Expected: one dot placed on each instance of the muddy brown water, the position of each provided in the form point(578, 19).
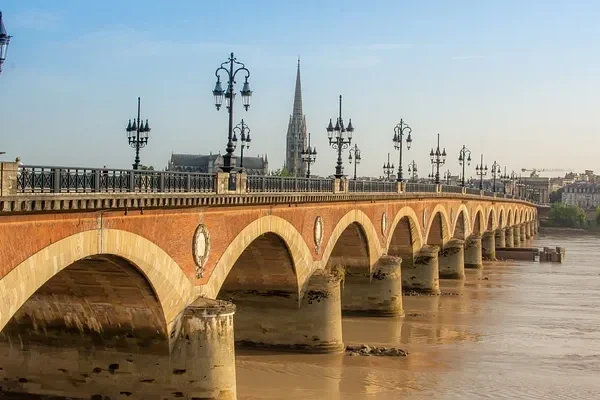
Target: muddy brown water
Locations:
point(516, 330)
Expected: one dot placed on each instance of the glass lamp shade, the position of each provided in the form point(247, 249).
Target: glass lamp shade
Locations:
point(246, 94)
point(218, 94)
point(408, 141)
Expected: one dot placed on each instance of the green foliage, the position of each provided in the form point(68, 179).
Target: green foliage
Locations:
point(556, 196)
point(147, 168)
point(597, 215)
point(281, 172)
point(566, 216)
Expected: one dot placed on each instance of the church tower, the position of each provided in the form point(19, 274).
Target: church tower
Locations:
point(296, 134)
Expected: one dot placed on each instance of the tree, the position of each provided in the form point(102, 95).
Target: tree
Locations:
point(566, 216)
point(556, 196)
point(147, 168)
point(281, 172)
point(598, 216)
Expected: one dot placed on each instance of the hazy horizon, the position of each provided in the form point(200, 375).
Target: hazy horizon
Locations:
point(513, 80)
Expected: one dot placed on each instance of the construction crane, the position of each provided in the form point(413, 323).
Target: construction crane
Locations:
point(535, 172)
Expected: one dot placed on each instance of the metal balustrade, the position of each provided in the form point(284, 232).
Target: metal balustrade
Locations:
point(272, 184)
point(372, 186)
point(32, 179)
point(39, 179)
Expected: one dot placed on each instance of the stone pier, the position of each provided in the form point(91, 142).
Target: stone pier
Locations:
point(522, 233)
point(276, 319)
point(500, 238)
point(452, 260)
point(473, 257)
point(488, 246)
point(510, 237)
point(528, 234)
point(378, 294)
point(517, 235)
point(423, 275)
point(80, 364)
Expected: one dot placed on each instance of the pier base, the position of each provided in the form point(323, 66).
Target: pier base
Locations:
point(452, 260)
point(379, 294)
point(473, 258)
point(488, 246)
point(500, 238)
point(517, 236)
point(423, 274)
point(510, 238)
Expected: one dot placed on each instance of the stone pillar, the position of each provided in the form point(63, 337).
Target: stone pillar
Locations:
point(528, 230)
point(522, 233)
point(8, 178)
point(379, 294)
point(473, 257)
point(488, 246)
point(517, 235)
point(221, 182)
point(276, 319)
point(500, 238)
point(452, 260)
point(423, 274)
point(241, 183)
point(205, 351)
point(510, 239)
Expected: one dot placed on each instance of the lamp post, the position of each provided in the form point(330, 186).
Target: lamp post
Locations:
point(309, 156)
point(231, 67)
point(481, 171)
point(437, 158)
point(513, 178)
point(245, 140)
point(412, 169)
point(340, 137)
point(356, 151)
point(504, 179)
point(388, 168)
point(447, 176)
point(432, 174)
point(399, 131)
point(137, 135)
point(464, 157)
point(496, 170)
point(4, 42)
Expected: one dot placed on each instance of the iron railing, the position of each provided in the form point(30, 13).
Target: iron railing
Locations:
point(452, 189)
point(372, 186)
point(270, 184)
point(421, 187)
point(473, 191)
point(39, 179)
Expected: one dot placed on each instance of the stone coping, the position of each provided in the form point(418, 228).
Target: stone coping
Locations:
point(53, 202)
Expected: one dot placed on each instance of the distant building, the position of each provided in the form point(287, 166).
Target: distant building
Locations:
point(296, 134)
point(584, 195)
point(213, 162)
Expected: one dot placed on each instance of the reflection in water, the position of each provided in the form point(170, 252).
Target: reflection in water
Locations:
point(520, 330)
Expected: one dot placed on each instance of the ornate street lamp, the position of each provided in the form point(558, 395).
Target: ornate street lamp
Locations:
point(464, 157)
point(245, 140)
point(356, 151)
point(513, 178)
point(412, 170)
point(309, 156)
point(399, 131)
point(504, 179)
point(481, 171)
point(340, 137)
point(437, 158)
point(388, 168)
point(4, 42)
point(496, 171)
point(137, 135)
point(447, 176)
point(231, 71)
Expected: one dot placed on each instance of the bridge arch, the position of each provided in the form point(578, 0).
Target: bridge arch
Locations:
point(510, 220)
point(461, 223)
point(491, 220)
point(478, 221)
point(501, 218)
point(171, 286)
point(438, 227)
point(405, 237)
point(271, 228)
point(354, 224)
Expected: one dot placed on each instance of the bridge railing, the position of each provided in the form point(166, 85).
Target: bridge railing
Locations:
point(40, 179)
point(421, 187)
point(473, 191)
point(452, 189)
point(270, 184)
point(372, 186)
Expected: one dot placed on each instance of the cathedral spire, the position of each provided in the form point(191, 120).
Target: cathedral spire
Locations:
point(298, 94)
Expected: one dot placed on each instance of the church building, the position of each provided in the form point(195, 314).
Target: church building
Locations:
point(296, 134)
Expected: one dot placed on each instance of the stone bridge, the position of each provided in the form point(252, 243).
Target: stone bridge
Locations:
point(134, 294)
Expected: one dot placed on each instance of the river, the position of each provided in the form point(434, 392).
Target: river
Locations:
point(516, 330)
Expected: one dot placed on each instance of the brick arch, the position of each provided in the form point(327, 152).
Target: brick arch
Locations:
point(438, 220)
point(478, 219)
point(171, 286)
point(366, 226)
point(501, 217)
point(405, 237)
point(518, 215)
point(461, 223)
point(510, 219)
point(297, 247)
point(491, 219)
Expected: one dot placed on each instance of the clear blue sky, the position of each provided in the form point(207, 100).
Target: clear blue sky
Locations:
point(516, 80)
